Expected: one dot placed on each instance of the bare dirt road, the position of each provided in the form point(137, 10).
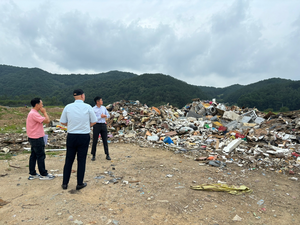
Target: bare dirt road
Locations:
point(144, 186)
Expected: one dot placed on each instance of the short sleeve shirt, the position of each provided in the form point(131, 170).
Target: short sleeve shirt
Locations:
point(79, 116)
point(34, 124)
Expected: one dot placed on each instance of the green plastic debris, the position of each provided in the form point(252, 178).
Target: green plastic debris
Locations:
point(234, 190)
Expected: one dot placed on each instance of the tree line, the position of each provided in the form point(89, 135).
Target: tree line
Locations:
point(19, 85)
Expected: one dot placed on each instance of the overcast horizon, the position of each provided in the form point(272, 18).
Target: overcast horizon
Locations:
point(206, 43)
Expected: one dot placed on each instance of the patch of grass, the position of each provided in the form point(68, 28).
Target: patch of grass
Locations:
point(55, 106)
point(47, 153)
point(7, 156)
point(55, 114)
point(24, 152)
point(11, 129)
point(18, 113)
point(4, 111)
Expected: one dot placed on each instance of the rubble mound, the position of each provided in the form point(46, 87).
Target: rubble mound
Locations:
point(205, 130)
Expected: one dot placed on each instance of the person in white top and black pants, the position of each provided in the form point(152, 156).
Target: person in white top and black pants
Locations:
point(79, 117)
point(100, 127)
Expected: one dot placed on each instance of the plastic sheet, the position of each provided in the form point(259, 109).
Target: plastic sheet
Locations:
point(234, 190)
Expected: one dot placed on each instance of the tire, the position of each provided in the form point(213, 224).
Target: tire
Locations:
point(213, 111)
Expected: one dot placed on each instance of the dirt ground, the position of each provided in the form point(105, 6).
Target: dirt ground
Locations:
point(134, 188)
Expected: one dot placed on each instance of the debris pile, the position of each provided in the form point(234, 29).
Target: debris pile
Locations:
point(204, 130)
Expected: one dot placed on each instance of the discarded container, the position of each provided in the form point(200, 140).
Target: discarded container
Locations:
point(206, 126)
point(222, 128)
point(238, 135)
point(152, 138)
point(168, 140)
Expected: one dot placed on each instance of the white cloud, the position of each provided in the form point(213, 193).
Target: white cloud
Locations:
point(213, 43)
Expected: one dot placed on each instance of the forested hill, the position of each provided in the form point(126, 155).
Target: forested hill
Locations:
point(272, 94)
point(19, 85)
point(16, 81)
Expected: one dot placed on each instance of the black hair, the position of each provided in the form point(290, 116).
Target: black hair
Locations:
point(35, 101)
point(97, 98)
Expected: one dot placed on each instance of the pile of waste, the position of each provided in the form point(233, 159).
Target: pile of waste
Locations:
point(207, 131)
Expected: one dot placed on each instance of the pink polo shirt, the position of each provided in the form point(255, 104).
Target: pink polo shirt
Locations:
point(34, 124)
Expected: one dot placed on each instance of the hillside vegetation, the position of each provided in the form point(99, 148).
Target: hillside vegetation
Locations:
point(19, 85)
point(274, 94)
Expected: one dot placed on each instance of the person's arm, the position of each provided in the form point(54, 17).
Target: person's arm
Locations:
point(46, 120)
point(105, 114)
point(63, 117)
point(93, 117)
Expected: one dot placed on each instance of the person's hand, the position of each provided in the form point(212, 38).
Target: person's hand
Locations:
point(103, 115)
point(43, 110)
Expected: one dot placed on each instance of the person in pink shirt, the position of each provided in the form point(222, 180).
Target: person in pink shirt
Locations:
point(35, 133)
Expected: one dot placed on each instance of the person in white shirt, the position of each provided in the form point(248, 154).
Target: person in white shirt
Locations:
point(100, 127)
point(79, 117)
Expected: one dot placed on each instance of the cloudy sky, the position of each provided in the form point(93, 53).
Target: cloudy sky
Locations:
point(202, 42)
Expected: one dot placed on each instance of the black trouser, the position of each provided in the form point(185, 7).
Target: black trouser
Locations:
point(76, 144)
point(37, 155)
point(99, 128)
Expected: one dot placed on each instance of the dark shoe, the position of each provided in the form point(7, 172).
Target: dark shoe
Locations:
point(64, 186)
point(94, 158)
point(80, 186)
point(107, 157)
